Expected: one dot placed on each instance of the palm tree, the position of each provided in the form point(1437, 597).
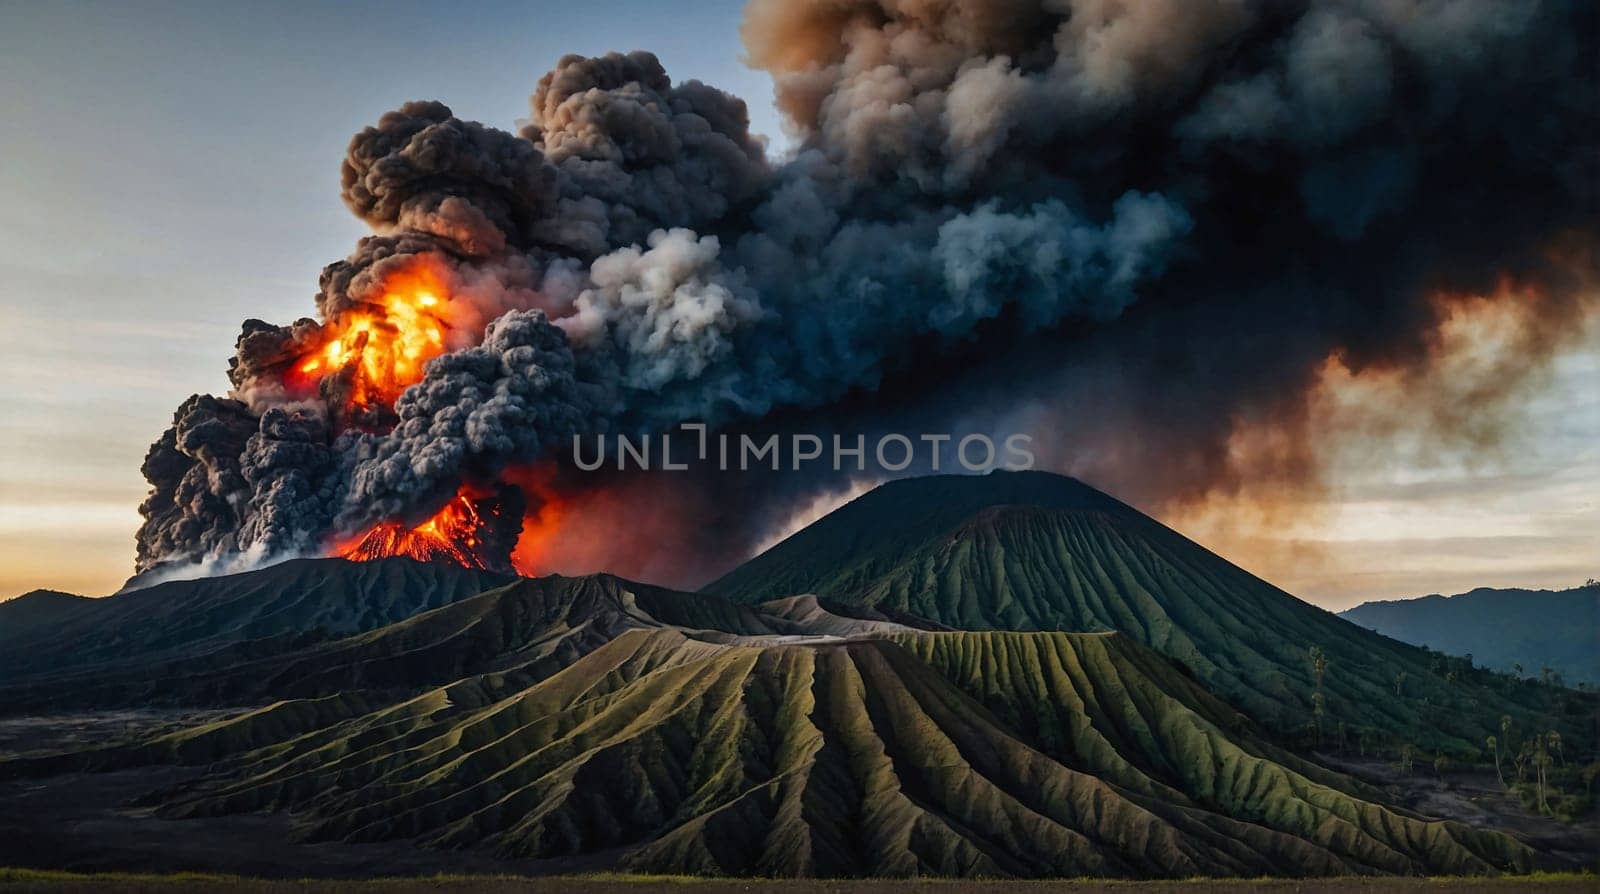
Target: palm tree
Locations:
point(1541, 763)
point(1494, 746)
point(1319, 664)
point(1399, 682)
point(1319, 668)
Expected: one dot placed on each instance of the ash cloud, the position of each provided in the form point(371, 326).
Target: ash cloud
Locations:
point(515, 397)
point(1170, 213)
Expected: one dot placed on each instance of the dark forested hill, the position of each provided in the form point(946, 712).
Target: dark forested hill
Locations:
point(1502, 629)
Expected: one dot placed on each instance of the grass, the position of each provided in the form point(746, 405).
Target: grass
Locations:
point(533, 727)
point(942, 754)
point(1030, 551)
point(598, 883)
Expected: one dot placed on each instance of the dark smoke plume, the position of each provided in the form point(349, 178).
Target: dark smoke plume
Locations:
point(1136, 225)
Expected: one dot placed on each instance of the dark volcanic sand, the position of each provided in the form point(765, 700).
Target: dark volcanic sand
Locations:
point(1475, 797)
point(83, 822)
point(94, 729)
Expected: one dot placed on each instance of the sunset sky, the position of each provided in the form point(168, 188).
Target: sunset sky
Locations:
point(172, 170)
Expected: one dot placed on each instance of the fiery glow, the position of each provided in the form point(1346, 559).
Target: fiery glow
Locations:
point(664, 529)
point(383, 344)
point(364, 358)
point(533, 555)
point(451, 535)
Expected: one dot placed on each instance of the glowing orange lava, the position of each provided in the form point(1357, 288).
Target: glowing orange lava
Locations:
point(369, 354)
point(532, 555)
point(451, 535)
point(384, 342)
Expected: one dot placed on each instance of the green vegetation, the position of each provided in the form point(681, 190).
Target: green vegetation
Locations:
point(1122, 703)
point(633, 883)
point(539, 625)
point(1553, 630)
point(959, 754)
point(1033, 551)
point(1544, 781)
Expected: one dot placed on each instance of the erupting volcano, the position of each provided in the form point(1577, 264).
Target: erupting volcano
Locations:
point(514, 554)
point(477, 528)
point(451, 535)
point(985, 221)
point(360, 363)
point(377, 349)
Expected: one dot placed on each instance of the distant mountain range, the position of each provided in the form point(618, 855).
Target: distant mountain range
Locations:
point(1500, 628)
point(1007, 675)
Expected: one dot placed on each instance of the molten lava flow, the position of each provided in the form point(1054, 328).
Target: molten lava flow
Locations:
point(361, 360)
point(478, 528)
point(383, 344)
point(451, 535)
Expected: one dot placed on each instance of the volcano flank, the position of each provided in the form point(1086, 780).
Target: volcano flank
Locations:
point(1001, 675)
point(1204, 253)
point(1035, 551)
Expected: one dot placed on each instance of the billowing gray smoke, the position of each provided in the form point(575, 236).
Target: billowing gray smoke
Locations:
point(1182, 207)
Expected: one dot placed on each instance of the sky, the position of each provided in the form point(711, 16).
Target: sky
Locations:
point(1405, 516)
point(167, 170)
